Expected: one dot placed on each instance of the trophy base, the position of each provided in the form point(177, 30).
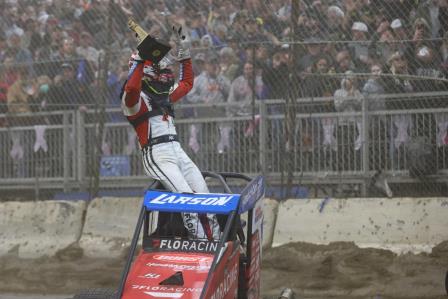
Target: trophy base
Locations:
point(151, 49)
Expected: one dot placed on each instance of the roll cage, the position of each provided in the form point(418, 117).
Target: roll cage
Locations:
point(170, 225)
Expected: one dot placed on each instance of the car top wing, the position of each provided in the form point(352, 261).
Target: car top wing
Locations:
point(214, 203)
point(253, 192)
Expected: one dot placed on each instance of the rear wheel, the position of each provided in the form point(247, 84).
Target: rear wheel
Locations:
point(446, 282)
point(96, 294)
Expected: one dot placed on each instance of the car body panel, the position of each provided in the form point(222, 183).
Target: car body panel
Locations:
point(193, 203)
point(224, 278)
point(172, 265)
point(151, 268)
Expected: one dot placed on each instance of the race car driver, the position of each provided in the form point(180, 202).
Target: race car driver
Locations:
point(147, 99)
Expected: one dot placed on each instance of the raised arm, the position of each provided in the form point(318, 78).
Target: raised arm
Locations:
point(186, 76)
point(186, 79)
point(131, 91)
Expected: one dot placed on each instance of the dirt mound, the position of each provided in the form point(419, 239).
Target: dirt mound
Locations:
point(345, 270)
point(313, 271)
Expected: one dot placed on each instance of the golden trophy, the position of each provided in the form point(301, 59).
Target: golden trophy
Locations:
point(148, 47)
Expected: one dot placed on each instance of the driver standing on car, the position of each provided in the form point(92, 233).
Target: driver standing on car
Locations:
point(147, 99)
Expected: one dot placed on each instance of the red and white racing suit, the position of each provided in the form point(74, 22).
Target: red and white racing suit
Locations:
point(163, 157)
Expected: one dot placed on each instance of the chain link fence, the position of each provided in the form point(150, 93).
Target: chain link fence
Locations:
point(326, 98)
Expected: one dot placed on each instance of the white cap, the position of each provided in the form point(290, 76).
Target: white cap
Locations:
point(360, 26)
point(15, 30)
point(423, 51)
point(396, 24)
point(335, 9)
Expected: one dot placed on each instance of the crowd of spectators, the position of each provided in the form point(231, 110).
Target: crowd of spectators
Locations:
point(51, 51)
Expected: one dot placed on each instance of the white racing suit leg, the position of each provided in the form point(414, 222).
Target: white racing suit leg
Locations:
point(168, 163)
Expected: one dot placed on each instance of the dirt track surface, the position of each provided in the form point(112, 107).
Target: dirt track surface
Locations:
point(338, 270)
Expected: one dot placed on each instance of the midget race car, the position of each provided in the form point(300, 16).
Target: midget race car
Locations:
point(172, 265)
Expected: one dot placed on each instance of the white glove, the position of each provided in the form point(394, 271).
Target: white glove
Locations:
point(134, 60)
point(183, 45)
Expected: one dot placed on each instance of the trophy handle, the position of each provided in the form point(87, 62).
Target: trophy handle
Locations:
point(141, 34)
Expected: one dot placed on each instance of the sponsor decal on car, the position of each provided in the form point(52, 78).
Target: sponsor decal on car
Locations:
point(188, 245)
point(189, 222)
point(165, 289)
point(202, 267)
point(226, 284)
point(192, 203)
point(257, 219)
point(252, 193)
point(182, 258)
point(150, 275)
point(164, 295)
point(191, 200)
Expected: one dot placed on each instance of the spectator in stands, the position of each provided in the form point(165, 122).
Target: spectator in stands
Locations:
point(387, 46)
point(353, 12)
point(241, 92)
point(399, 129)
point(198, 26)
point(117, 76)
point(318, 83)
point(218, 35)
point(429, 10)
point(41, 99)
point(199, 63)
point(314, 50)
point(69, 93)
point(374, 88)
point(421, 36)
point(18, 97)
point(348, 132)
point(52, 39)
point(310, 25)
point(397, 9)
point(443, 17)
point(210, 88)
point(3, 92)
point(10, 70)
point(277, 77)
point(32, 39)
point(3, 47)
point(399, 83)
point(19, 93)
point(272, 22)
point(344, 62)
point(94, 20)
point(335, 30)
point(66, 51)
point(399, 30)
point(228, 66)
point(428, 63)
point(22, 55)
point(373, 92)
point(360, 47)
point(254, 32)
point(236, 30)
point(87, 51)
point(444, 53)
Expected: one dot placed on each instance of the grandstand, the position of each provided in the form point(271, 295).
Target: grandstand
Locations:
point(326, 98)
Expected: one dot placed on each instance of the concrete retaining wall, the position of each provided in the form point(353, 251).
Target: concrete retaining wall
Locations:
point(109, 226)
point(398, 224)
point(270, 215)
point(36, 229)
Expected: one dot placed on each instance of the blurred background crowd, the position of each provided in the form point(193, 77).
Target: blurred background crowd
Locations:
point(57, 45)
point(52, 53)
